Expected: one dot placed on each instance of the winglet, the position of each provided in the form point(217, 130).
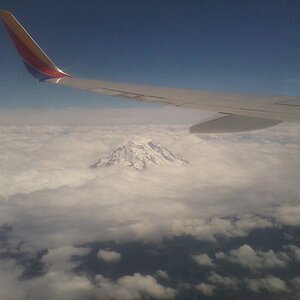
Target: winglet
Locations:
point(35, 59)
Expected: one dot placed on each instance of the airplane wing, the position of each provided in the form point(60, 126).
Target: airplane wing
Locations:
point(235, 112)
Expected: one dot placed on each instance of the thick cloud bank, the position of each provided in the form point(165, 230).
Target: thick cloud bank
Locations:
point(52, 205)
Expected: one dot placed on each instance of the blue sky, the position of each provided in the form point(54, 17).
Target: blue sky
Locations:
point(237, 46)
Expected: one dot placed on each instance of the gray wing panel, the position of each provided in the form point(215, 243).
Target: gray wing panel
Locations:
point(227, 123)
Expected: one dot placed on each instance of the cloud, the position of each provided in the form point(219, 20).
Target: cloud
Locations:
point(59, 259)
point(45, 169)
point(246, 256)
point(52, 202)
point(288, 214)
point(225, 281)
point(205, 289)
point(58, 285)
point(269, 283)
point(109, 256)
point(203, 260)
point(295, 252)
point(10, 288)
point(54, 284)
point(48, 188)
point(59, 282)
point(162, 274)
point(296, 282)
point(132, 287)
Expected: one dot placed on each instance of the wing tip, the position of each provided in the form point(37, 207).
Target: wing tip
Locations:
point(4, 14)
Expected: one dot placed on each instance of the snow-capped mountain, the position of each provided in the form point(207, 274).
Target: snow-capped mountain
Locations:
point(140, 155)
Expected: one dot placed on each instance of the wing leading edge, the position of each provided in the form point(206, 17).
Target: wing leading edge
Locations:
point(237, 112)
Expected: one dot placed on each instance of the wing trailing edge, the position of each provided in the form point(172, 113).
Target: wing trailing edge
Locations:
point(229, 123)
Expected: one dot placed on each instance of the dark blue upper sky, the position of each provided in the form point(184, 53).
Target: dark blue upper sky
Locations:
point(243, 46)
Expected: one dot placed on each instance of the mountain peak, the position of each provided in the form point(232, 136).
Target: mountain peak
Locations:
point(139, 156)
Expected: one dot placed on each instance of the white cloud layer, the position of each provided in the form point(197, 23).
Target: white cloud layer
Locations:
point(48, 191)
point(234, 183)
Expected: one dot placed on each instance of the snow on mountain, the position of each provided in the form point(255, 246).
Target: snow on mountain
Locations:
point(140, 155)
